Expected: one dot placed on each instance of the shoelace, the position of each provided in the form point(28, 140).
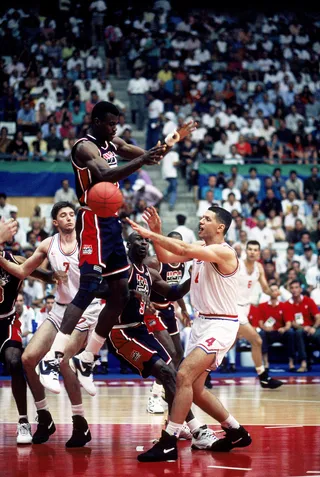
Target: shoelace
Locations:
point(24, 429)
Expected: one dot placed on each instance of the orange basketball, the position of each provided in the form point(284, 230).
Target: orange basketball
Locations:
point(105, 199)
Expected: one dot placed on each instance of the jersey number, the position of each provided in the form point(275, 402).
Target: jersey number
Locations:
point(1, 294)
point(197, 278)
point(210, 342)
point(142, 307)
point(66, 266)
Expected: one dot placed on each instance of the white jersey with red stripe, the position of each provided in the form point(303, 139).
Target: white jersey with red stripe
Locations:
point(83, 176)
point(213, 293)
point(246, 282)
point(59, 260)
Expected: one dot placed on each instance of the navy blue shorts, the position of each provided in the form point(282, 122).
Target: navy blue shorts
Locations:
point(168, 316)
point(101, 248)
point(137, 347)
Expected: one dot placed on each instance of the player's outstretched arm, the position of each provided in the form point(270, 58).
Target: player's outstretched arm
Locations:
point(27, 267)
point(263, 281)
point(8, 230)
point(172, 293)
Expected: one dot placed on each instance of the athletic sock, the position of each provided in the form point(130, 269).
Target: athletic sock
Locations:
point(23, 419)
point(260, 370)
point(77, 410)
point(230, 423)
point(173, 428)
point(42, 405)
point(157, 389)
point(95, 343)
point(194, 425)
point(59, 344)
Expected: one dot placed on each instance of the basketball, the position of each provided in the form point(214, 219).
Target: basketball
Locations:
point(105, 199)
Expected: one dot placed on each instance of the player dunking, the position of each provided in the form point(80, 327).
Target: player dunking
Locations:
point(61, 251)
point(214, 294)
point(101, 250)
point(251, 272)
point(11, 342)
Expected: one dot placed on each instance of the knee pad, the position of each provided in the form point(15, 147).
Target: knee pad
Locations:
point(88, 287)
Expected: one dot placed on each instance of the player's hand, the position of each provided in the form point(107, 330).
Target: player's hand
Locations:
point(8, 230)
point(142, 231)
point(154, 155)
point(151, 216)
point(185, 318)
point(187, 129)
point(60, 276)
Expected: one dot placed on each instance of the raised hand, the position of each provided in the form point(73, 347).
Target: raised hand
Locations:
point(187, 129)
point(151, 216)
point(142, 231)
point(154, 155)
point(8, 230)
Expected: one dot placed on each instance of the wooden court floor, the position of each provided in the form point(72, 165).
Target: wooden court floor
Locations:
point(284, 424)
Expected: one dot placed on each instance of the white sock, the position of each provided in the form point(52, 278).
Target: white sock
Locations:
point(260, 369)
point(77, 410)
point(42, 405)
point(156, 389)
point(173, 429)
point(60, 342)
point(95, 343)
point(230, 423)
point(194, 425)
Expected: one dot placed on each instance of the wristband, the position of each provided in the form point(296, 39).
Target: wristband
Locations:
point(172, 138)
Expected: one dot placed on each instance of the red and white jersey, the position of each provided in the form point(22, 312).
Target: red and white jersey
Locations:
point(213, 293)
point(68, 263)
point(246, 282)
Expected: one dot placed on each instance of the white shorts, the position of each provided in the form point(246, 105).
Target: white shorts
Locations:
point(87, 322)
point(243, 314)
point(214, 336)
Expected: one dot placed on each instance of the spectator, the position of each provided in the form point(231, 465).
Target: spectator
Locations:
point(305, 320)
point(313, 280)
point(39, 147)
point(315, 236)
point(32, 292)
point(212, 183)
point(295, 184)
point(271, 202)
point(18, 148)
point(146, 192)
point(25, 314)
point(308, 259)
point(231, 188)
point(94, 99)
point(293, 118)
point(4, 141)
point(274, 222)
point(45, 98)
point(37, 230)
point(249, 205)
point(5, 208)
point(284, 133)
point(55, 146)
point(233, 157)
point(312, 184)
point(313, 218)
point(188, 235)
point(305, 240)
point(290, 219)
point(137, 89)
point(275, 326)
point(221, 147)
point(26, 118)
point(170, 174)
point(43, 313)
point(94, 64)
point(275, 149)
point(114, 37)
point(205, 204)
point(65, 193)
point(232, 204)
point(243, 147)
point(262, 233)
point(112, 99)
point(284, 263)
point(260, 150)
point(254, 183)
point(234, 233)
point(290, 201)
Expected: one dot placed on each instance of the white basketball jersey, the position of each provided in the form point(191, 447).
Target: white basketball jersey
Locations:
point(68, 263)
point(246, 282)
point(212, 292)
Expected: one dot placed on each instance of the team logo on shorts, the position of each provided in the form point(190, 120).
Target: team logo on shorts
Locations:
point(87, 250)
point(135, 355)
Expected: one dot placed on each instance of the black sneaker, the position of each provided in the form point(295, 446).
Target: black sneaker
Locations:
point(81, 433)
point(234, 438)
point(269, 383)
point(45, 427)
point(163, 451)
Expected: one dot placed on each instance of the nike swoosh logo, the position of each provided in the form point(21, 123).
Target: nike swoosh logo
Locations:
point(81, 366)
point(50, 425)
point(237, 441)
point(86, 432)
point(165, 451)
point(44, 367)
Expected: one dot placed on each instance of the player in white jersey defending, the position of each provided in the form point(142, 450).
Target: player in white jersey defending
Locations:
point(61, 251)
point(251, 272)
point(214, 294)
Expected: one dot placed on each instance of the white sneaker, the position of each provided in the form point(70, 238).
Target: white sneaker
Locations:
point(48, 371)
point(24, 435)
point(185, 433)
point(154, 405)
point(203, 438)
point(83, 370)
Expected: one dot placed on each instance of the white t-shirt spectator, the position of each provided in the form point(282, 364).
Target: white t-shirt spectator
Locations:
point(265, 236)
point(290, 219)
point(26, 323)
point(313, 277)
point(306, 265)
point(230, 207)
point(227, 191)
point(155, 108)
point(94, 63)
point(254, 185)
point(169, 169)
point(72, 63)
point(41, 316)
point(33, 292)
point(204, 206)
point(220, 149)
point(68, 196)
point(138, 86)
point(5, 211)
point(188, 234)
point(49, 103)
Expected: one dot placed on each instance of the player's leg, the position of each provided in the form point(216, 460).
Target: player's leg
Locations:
point(34, 352)
point(250, 334)
point(301, 339)
point(81, 432)
point(12, 359)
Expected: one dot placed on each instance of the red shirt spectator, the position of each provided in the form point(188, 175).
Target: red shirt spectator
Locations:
point(274, 316)
point(302, 310)
point(243, 147)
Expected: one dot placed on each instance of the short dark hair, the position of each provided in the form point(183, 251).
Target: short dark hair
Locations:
point(3, 195)
point(181, 219)
point(65, 179)
point(291, 247)
point(61, 205)
point(174, 233)
point(253, 242)
point(293, 282)
point(252, 169)
point(101, 109)
point(49, 297)
point(223, 216)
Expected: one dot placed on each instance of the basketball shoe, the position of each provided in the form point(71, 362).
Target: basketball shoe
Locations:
point(81, 433)
point(45, 427)
point(203, 438)
point(267, 382)
point(48, 370)
point(165, 450)
point(24, 435)
point(154, 405)
point(234, 438)
point(84, 370)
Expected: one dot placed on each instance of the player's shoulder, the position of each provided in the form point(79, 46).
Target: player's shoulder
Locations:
point(152, 262)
